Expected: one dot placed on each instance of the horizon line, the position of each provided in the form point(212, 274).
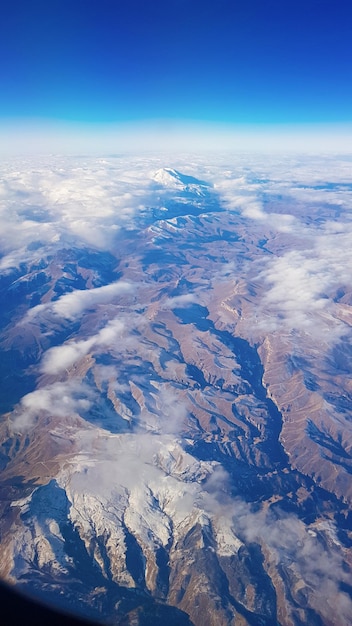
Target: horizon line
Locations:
point(48, 136)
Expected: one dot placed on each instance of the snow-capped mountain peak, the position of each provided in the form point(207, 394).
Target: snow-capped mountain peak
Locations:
point(169, 177)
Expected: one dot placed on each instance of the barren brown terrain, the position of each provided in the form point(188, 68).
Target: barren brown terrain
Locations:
point(176, 441)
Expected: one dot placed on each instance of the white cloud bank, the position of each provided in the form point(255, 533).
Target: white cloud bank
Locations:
point(302, 283)
point(47, 204)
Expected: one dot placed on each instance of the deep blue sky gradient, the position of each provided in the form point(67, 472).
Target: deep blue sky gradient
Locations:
point(247, 61)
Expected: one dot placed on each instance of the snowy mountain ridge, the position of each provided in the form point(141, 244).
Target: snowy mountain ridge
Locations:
point(171, 178)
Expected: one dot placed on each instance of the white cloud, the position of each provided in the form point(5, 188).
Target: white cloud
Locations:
point(58, 359)
point(59, 400)
point(311, 553)
point(180, 301)
point(109, 333)
point(311, 253)
point(302, 283)
point(62, 357)
point(63, 201)
point(170, 414)
point(72, 305)
point(244, 195)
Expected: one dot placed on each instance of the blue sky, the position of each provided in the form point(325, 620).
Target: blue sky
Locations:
point(239, 63)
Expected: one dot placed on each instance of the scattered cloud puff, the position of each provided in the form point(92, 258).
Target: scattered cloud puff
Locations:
point(180, 301)
point(59, 400)
point(63, 357)
point(72, 305)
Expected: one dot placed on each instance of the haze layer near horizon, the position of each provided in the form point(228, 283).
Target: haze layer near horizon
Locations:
point(107, 75)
